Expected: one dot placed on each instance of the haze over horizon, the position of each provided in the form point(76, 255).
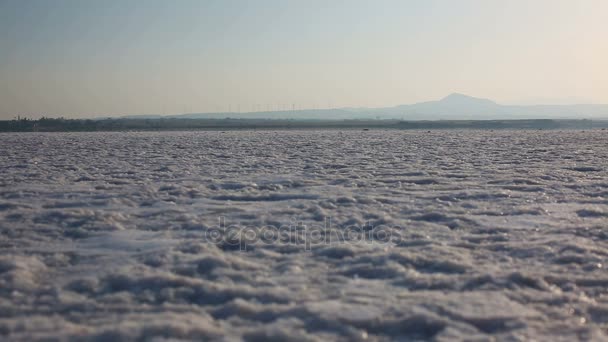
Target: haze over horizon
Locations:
point(88, 59)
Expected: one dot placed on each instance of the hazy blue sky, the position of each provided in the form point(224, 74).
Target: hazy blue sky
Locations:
point(88, 58)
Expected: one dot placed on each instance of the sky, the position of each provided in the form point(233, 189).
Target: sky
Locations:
point(81, 58)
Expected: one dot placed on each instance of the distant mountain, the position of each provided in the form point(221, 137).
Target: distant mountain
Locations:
point(452, 107)
point(458, 106)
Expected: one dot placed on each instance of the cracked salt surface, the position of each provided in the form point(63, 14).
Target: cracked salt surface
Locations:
point(122, 236)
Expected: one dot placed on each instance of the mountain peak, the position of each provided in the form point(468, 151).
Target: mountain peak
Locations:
point(457, 98)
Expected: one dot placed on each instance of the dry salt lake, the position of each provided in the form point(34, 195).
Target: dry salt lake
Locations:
point(304, 235)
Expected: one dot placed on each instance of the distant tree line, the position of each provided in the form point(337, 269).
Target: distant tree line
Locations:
point(24, 124)
point(158, 124)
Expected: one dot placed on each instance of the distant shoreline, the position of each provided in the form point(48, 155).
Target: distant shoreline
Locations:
point(174, 124)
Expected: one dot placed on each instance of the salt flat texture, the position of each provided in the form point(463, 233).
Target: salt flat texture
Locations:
point(123, 236)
